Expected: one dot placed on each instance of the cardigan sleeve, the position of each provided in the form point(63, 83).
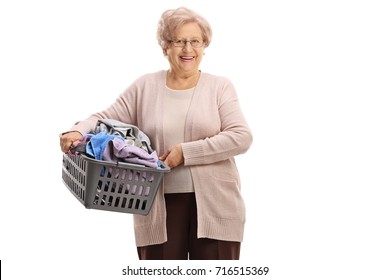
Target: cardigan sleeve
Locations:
point(233, 138)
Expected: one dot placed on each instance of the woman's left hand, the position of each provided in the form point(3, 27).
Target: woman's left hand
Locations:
point(173, 157)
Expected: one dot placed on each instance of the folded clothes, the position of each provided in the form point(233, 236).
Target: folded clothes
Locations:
point(117, 150)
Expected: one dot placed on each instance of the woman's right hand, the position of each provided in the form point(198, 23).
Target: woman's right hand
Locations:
point(173, 157)
point(68, 138)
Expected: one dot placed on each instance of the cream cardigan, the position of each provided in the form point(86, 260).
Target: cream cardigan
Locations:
point(215, 132)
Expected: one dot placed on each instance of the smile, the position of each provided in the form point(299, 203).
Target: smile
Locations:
point(187, 58)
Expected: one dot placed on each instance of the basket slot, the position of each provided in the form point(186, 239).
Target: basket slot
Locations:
point(151, 177)
point(103, 201)
point(134, 189)
point(131, 203)
point(123, 177)
point(99, 186)
point(137, 204)
point(124, 200)
point(96, 199)
point(120, 189)
point(127, 189)
point(117, 201)
point(113, 188)
point(144, 205)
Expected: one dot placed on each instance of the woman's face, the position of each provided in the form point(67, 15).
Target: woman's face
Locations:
point(186, 59)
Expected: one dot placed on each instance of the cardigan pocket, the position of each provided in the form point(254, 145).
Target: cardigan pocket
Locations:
point(227, 200)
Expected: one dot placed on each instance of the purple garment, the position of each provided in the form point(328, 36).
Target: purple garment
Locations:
point(118, 151)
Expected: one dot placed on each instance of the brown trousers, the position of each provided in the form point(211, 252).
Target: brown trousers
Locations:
point(183, 243)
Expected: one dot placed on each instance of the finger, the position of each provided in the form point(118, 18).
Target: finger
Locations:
point(171, 161)
point(164, 156)
point(67, 146)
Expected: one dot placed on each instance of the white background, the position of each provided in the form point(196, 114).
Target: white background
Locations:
point(313, 81)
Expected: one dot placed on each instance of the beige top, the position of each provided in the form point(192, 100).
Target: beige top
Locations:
point(176, 104)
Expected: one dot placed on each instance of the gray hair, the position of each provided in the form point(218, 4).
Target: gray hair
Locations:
point(173, 19)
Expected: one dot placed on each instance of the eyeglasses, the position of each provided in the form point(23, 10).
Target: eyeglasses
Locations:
point(195, 43)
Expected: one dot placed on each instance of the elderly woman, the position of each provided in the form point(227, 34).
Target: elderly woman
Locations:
point(195, 123)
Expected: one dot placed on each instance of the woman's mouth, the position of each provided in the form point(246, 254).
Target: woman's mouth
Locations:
point(187, 58)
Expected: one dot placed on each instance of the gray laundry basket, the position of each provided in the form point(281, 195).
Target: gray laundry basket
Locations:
point(120, 187)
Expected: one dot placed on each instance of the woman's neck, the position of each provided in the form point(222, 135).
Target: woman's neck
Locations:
point(182, 81)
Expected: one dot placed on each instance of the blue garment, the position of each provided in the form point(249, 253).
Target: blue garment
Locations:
point(97, 144)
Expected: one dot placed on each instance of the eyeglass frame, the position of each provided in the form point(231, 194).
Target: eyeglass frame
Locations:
point(175, 42)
